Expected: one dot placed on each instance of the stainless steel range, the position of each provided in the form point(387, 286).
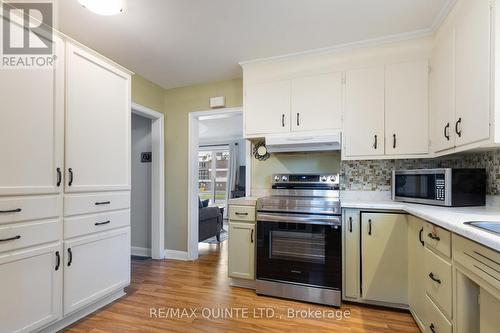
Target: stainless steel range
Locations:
point(299, 252)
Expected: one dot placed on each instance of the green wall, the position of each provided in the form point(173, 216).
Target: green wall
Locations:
point(147, 93)
point(178, 103)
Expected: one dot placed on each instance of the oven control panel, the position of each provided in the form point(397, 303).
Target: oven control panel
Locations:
point(327, 179)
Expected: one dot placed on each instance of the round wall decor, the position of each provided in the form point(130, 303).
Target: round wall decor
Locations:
point(260, 151)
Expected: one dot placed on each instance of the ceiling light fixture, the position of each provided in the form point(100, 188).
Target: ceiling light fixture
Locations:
point(104, 7)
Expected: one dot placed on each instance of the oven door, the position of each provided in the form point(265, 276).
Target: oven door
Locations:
point(299, 248)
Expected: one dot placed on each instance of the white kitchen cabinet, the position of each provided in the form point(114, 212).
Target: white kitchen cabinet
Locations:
point(316, 102)
point(242, 236)
point(384, 257)
point(32, 128)
point(351, 255)
point(30, 288)
point(407, 108)
point(416, 272)
point(95, 266)
point(267, 108)
point(364, 109)
point(97, 124)
point(442, 91)
point(473, 71)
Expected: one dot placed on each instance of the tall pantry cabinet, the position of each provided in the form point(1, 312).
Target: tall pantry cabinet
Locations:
point(64, 188)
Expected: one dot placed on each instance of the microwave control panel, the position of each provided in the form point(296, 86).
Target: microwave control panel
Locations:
point(440, 187)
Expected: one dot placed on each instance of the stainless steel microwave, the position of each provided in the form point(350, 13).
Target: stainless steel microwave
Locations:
point(444, 187)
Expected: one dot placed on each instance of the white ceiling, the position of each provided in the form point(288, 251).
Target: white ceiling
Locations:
point(182, 42)
point(221, 129)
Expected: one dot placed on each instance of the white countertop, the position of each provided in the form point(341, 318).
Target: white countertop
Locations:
point(451, 218)
point(245, 201)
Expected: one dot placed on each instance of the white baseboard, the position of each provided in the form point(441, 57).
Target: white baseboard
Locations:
point(176, 255)
point(140, 251)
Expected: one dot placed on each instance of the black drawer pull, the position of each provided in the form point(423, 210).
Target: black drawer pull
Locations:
point(375, 142)
point(433, 278)
point(431, 236)
point(251, 236)
point(17, 210)
point(420, 236)
point(102, 203)
point(447, 131)
point(369, 227)
point(350, 223)
point(102, 223)
point(458, 127)
point(11, 238)
point(432, 328)
point(241, 214)
point(59, 177)
point(70, 182)
point(394, 141)
point(70, 257)
point(58, 260)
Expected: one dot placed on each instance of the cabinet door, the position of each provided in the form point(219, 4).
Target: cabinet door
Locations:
point(241, 250)
point(32, 127)
point(95, 266)
point(317, 102)
point(267, 108)
point(97, 124)
point(442, 92)
point(384, 257)
point(31, 288)
point(351, 254)
point(473, 68)
point(416, 272)
point(407, 108)
point(364, 112)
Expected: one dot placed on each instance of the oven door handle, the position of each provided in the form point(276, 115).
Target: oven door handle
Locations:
point(302, 218)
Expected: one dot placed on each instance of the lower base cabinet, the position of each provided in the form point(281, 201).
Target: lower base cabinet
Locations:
point(30, 288)
point(241, 250)
point(416, 272)
point(96, 265)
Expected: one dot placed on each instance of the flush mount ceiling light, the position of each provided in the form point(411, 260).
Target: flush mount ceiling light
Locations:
point(104, 7)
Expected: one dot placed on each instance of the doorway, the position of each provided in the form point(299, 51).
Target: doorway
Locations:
point(148, 187)
point(217, 160)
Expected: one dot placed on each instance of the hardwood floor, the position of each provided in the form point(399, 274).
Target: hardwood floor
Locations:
point(203, 287)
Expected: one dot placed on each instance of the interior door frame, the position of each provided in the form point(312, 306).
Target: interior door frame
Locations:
point(192, 213)
point(157, 178)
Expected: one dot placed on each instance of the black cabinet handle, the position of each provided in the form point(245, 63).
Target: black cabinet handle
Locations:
point(457, 124)
point(58, 260)
point(70, 257)
point(251, 236)
point(11, 238)
point(447, 131)
point(70, 182)
point(283, 120)
point(350, 223)
point(298, 119)
point(59, 177)
point(17, 210)
point(241, 214)
point(394, 141)
point(420, 236)
point(375, 142)
point(433, 278)
point(432, 328)
point(102, 203)
point(431, 236)
point(102, 223)
point(369, 227)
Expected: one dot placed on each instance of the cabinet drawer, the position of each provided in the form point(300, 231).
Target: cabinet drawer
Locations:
point(22, 235)
point(436, 321)
point(76, 204)
point(242, 213)
point(438, 239)
point(438, 283)
point(18, 209)
point(88, 224)
point(479, 259)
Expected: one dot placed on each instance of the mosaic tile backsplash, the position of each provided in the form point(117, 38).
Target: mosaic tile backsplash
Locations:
point(375, 175)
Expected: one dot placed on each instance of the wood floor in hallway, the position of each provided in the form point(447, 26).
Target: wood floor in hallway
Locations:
point(203, 286)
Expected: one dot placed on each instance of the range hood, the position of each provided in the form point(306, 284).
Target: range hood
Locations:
point(281, 143)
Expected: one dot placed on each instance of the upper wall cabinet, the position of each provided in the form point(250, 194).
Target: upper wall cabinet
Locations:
point(363, 133)
point(317, 102)
point(97, 124)
point(32, 128)
point(407, 108)
point(461, 76)
point(307, 103)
